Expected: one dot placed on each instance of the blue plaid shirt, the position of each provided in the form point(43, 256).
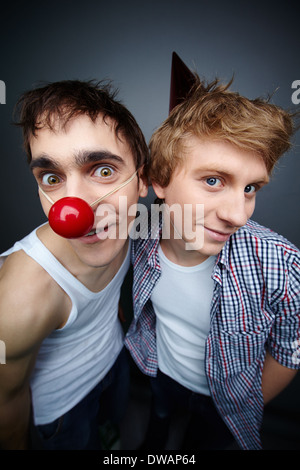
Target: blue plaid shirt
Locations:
point(255, 307)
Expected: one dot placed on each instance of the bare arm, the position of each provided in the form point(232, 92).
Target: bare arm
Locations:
point(25, 321)
point(22, 344)
point(15, 403)
point(275, 378)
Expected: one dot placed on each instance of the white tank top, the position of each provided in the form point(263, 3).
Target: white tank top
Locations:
point(73, 359)
point(181, 301)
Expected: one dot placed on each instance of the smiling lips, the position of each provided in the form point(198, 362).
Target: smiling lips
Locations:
point(218, 236)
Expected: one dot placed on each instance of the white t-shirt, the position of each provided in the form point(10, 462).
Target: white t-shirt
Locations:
point(181, 301)
point(72, 360)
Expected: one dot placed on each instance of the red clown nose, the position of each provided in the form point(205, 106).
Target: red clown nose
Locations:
point(71, 217)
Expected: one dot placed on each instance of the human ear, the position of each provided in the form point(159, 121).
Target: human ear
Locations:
point(143, 185)
point(159, 190)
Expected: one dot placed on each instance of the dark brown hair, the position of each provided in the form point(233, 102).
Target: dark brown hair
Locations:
point(61, 101)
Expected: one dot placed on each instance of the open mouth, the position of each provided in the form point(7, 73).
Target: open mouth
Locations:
point(96, 231)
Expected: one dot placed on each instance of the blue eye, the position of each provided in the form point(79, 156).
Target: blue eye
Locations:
point(213, 181)
point(104, 171)
point(50, 179)
point(250, 188)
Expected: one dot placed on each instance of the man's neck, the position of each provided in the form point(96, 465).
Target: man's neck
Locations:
point(175, 251)
point(93, 278)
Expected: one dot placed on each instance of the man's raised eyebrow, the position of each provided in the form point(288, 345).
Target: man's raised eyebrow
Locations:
point(43, 161)
point(211, 169)
point(85, 157)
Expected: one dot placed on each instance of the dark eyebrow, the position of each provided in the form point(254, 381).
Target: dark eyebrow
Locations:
point(86, 157)
point(43, 162)
point(81, 159)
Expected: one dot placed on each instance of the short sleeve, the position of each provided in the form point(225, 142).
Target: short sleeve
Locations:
point(284, 340)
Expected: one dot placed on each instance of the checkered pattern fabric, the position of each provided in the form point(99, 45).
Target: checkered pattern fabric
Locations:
point(255, 308)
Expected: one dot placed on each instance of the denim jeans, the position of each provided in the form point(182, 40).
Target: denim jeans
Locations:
point(78, 429)
point(205, 428)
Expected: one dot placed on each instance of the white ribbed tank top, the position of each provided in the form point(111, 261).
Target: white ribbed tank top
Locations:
point(73, 359)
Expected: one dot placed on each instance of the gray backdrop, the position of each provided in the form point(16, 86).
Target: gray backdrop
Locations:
point(131, 42)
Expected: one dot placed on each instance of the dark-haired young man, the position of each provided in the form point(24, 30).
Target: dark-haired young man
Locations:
point(59, 296)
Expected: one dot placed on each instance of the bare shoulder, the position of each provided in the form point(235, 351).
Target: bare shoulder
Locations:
point(31, 303)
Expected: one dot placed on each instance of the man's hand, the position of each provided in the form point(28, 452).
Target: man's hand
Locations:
point(275, 378)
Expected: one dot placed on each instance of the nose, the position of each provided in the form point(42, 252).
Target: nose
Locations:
point(78, 189)
point(72, 216)
point(234, 210)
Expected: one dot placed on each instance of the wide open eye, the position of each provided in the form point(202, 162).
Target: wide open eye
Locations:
point(250, 188)
point(213, 181)
point(50, 179)
point(104, 171)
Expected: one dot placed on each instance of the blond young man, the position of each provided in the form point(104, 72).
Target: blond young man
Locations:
point(65, 361)
point(216, 324)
